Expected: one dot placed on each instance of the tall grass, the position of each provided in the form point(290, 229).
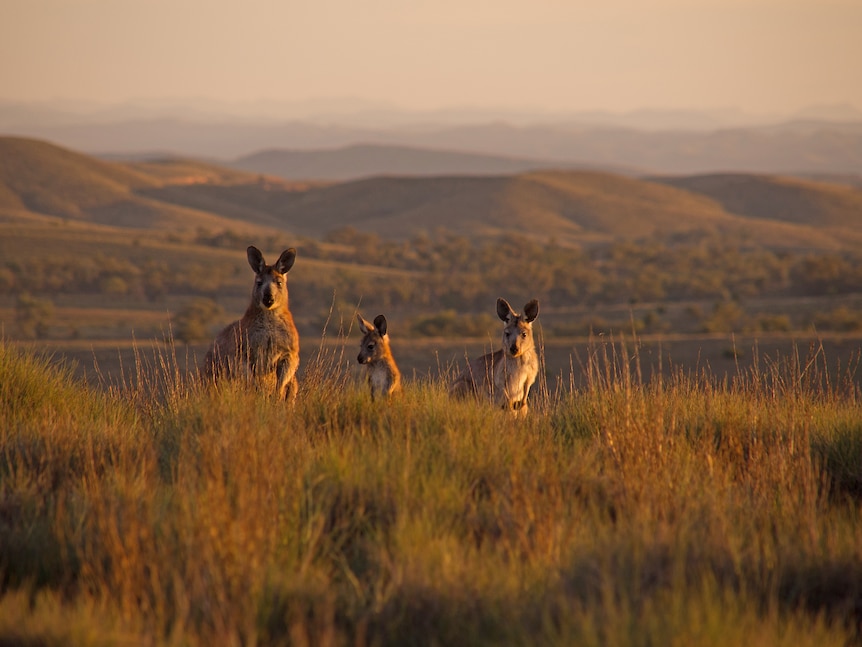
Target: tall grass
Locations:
point(638, 510)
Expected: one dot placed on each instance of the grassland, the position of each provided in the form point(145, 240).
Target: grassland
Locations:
point(698, 486)
point(675, 510)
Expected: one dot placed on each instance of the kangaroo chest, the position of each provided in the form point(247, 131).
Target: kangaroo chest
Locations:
point(516, 370)
point(272, 335)
point(379, 377)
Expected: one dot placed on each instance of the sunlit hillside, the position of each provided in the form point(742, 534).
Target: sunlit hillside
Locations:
point(822, 204)
point(40, 178)
point(569, 207)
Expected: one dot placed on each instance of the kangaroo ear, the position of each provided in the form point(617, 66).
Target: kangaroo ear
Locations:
point(364, 326)
point(531, 311)
point(504, 310)
point(255, 259)
point(285, 261)
point(380, 324)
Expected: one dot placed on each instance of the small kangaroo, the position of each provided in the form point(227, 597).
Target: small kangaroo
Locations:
point(264, 344)
point(384, 378)
point(507, 374)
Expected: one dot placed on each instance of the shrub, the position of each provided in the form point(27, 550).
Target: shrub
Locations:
point(33, 316)
point(841, 319)
point(194, 321)
point(449, 323)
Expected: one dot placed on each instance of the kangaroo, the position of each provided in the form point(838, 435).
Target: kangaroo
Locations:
point(264, 344)
point(384, 378)
point(507, 374)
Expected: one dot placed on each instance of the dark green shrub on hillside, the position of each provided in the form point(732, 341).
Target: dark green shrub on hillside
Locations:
point(773, 323)
point(727, 316)
point(594, 325)
point(8, 281)
point(33, 316)
point(114, 286)
point(449, 323)
point(841, 319)
point(155, 280)
point(193, 323)
point(826, 274)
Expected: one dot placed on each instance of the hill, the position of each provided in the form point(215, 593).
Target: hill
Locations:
point(365, 160)
point(38, 179)
point(42, 179)
point(787, 148)
point(829, 148)
point(820, 204)
point(571, 207)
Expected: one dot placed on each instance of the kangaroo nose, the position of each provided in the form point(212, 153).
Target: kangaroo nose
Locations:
point(513, 349)
point(268, 299)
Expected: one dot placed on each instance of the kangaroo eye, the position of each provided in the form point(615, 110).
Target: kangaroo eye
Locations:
point(278, 283)
point(524, 335)
point(259, 281)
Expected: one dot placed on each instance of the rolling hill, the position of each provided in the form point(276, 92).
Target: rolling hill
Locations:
point(40, 180)
point(40, 177)
point(571, 207)
point(799, 201)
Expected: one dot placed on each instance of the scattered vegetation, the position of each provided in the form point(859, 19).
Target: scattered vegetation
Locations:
point(32, 316)
point(719, 283)
point(192, 323)
point(633, 511)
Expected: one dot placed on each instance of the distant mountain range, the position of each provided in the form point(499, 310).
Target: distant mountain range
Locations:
point(46, 183)
point(368, 160)
point(361, 113)
point(824, 141)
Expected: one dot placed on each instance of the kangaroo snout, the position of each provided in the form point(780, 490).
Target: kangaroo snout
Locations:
point(268, 299)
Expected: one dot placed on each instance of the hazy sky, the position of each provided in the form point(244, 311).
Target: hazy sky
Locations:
point(620, 55)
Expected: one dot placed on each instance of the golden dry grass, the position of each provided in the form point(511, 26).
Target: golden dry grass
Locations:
point(679, 511)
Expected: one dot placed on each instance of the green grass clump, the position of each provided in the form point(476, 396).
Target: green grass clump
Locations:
point(677, 511)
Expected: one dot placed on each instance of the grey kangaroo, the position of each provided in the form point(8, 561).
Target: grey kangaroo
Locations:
point(384, 378)
point(507, 374)
point(263, 346)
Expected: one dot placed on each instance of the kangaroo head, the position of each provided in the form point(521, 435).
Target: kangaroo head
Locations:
point(374, 338)
point(270, 282)
point(518, 331)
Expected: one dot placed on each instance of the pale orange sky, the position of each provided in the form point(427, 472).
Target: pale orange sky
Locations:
point(552, 55)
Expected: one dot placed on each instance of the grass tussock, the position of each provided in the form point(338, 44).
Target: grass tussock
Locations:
point(637, 510)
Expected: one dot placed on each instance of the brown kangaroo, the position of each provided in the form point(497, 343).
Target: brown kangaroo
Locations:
point(507, 374)
point(384, 378)
point(263, 346)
